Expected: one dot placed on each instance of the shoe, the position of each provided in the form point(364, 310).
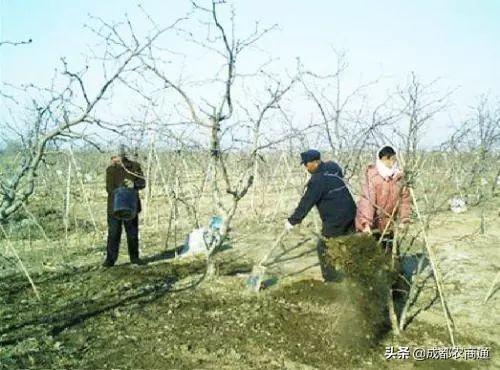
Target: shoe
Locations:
point(108, 264)
point(137, 261)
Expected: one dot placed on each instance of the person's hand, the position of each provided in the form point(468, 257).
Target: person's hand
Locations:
point(288, 226)
point(367, 229)
point(128, 183)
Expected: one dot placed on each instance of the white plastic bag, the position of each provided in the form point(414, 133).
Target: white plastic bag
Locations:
point(204, 239)
point(199, 241)
point(457, 205)
point(195, 243)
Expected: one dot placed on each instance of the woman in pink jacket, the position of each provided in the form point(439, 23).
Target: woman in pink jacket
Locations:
point(385, 198)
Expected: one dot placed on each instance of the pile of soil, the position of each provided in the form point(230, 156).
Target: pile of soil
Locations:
point(366, 280)
point(129, 317)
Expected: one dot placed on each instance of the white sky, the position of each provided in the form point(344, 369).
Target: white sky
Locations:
point(454, 40)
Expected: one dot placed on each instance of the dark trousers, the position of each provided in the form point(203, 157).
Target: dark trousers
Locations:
point(328, 272)
point(387, 242)
point(114, 236)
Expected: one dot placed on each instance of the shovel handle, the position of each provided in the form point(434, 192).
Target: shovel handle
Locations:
point(275, 245)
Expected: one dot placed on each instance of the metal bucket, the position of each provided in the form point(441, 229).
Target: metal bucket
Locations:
point(124, 203)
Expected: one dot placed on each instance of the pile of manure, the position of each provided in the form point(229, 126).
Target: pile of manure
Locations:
point(365, 285)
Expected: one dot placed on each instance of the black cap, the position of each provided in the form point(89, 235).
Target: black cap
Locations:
point(309, 156)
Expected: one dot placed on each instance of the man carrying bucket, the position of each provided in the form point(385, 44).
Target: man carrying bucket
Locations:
point(123, 180)
point(327, 191)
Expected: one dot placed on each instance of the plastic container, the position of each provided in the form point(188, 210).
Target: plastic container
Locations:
point(215, 222)
point(124, 203)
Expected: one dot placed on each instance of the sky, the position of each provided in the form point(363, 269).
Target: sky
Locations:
point(455, 41)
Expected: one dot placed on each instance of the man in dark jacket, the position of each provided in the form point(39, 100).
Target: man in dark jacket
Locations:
point(123, 172)
point(327, 191)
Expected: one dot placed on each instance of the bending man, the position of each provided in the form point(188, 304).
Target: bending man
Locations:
point(327, 190)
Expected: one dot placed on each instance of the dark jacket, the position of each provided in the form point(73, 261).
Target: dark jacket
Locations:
point(116, 174)
point(327, 190)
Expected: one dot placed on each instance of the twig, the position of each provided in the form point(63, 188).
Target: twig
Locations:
point(23, 268)
point(84, 192)
point(490, 291)
point(437, 277)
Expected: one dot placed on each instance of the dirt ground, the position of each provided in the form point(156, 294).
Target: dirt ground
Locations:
point(166, 316)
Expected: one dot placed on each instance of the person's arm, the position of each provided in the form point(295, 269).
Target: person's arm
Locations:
point(139, 180)
point(309, 199)
point(110, 183)
point(366, 204)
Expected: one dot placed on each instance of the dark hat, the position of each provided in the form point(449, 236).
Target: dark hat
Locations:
point(309, 156)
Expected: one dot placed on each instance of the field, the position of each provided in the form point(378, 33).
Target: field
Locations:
point(168, 314)
point(217, 102)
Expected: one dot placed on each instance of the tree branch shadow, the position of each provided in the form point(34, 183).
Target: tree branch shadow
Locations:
point(55, 321)
point(279, 258)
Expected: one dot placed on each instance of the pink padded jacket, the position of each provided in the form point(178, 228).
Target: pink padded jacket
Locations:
point(382, 198)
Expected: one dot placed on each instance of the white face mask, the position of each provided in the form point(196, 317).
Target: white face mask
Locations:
point(385, 171)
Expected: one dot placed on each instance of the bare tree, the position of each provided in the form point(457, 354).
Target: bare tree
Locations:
point(482, 131)
point(346, 121)
point(474, 147)
point(56, 113)
point(224, 125)
point(419, 104)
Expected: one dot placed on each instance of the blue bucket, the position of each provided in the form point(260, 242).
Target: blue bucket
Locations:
point(124, 203)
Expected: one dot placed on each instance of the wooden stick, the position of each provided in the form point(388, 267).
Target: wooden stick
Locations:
point(394, 255)
point(84, 192)
point(33, 218)
point(67, 202)
point(275, 245)
point(415, 289)
point(21, 264)
point(490, 291)
point(392, 313)
point(149, 179)
point(437, 277)
point(171, 196)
